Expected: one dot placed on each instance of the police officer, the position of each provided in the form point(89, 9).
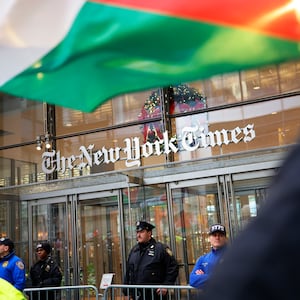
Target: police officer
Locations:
point(149, 262)
point(45, 272)
point(12, 268)
point(205, 263)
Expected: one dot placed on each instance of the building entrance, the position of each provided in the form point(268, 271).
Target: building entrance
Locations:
point(84, 231)
point(92, 230)
point(197, 204)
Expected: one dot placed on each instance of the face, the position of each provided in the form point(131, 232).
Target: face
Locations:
point(143, 236)
point(4, 250)
point(41, 253)
point(217, 240)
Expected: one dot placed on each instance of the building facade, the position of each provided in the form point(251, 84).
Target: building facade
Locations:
point(182, 157)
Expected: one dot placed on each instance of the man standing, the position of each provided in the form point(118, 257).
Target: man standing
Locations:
point(12, 268)
point(45, 272)
point(206, 262)
point(149, 262)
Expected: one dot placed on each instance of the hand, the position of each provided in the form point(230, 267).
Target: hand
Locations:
point(199, 272)
point(161, 291)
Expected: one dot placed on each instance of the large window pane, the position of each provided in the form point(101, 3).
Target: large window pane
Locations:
point(223, 89)
point(21, 120)
point(21, 165)
point(289, 74)
point(275, 124)
point(260, 83)
point(109, 150)
point(120, 110)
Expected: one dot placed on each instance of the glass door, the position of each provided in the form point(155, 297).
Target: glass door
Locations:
point(196, 206)
point(48, 222)
point(99, 237)
point(245, 193)
point(232, 199)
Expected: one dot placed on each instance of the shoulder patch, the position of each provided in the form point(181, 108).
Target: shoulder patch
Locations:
point(20, 265)
point(168, 250)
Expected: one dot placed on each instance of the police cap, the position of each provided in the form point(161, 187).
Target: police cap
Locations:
point(217, 228)
point(44, 245)
point(7, 242)
point(141, 225)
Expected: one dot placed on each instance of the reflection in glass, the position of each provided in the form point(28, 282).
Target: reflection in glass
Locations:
point(195, 210)
point(146, 203)
point(261, 125)
point(49, 224)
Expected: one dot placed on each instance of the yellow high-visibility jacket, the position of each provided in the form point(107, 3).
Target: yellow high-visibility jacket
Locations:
point(9, 292)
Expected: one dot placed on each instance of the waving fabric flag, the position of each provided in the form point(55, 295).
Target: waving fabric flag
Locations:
point(78, 54)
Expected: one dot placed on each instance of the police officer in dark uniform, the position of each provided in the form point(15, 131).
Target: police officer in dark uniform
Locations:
point(149, 262)
point(45, 273)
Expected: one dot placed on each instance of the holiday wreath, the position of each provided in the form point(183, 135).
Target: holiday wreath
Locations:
point(181, 99)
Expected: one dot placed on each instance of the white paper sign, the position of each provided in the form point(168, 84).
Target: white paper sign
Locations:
point(106, 280)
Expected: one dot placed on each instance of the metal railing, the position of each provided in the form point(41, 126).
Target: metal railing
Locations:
point(149, 292)
point(76, 292)
point(114, 292)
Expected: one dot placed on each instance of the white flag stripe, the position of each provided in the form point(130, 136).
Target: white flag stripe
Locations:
point(29, 29)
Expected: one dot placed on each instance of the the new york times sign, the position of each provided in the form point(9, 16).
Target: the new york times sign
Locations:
point(192, 138)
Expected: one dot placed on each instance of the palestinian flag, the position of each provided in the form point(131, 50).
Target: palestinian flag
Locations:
point(78, 54)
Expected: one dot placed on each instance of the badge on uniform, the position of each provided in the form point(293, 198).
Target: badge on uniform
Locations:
point(151, 251)
point(5, 264)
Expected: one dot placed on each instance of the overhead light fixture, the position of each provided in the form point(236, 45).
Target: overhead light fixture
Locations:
point(38, 143)
point(43, 139)
point(47, 141)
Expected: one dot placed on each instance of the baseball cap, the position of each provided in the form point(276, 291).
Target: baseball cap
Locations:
point(217, 228)
point(141, 225)
point(44, 245)
point(7, 242)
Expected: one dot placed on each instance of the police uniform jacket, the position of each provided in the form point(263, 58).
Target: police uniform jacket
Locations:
point(151, 263)
point(205, 263)
point(45, 273)
point(12, 269)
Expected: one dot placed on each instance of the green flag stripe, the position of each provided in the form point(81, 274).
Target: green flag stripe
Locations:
point(112, 50)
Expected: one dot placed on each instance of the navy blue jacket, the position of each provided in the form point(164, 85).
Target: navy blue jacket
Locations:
point(150, 263)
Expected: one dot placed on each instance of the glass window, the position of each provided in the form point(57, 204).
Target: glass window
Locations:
point(108, 150)
point(254, 126)
point(223, 89)
point(289, 74)
point(21, 120)
point(20, 165)
point(120, 110)
point(186, 98)
point(260, 83)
